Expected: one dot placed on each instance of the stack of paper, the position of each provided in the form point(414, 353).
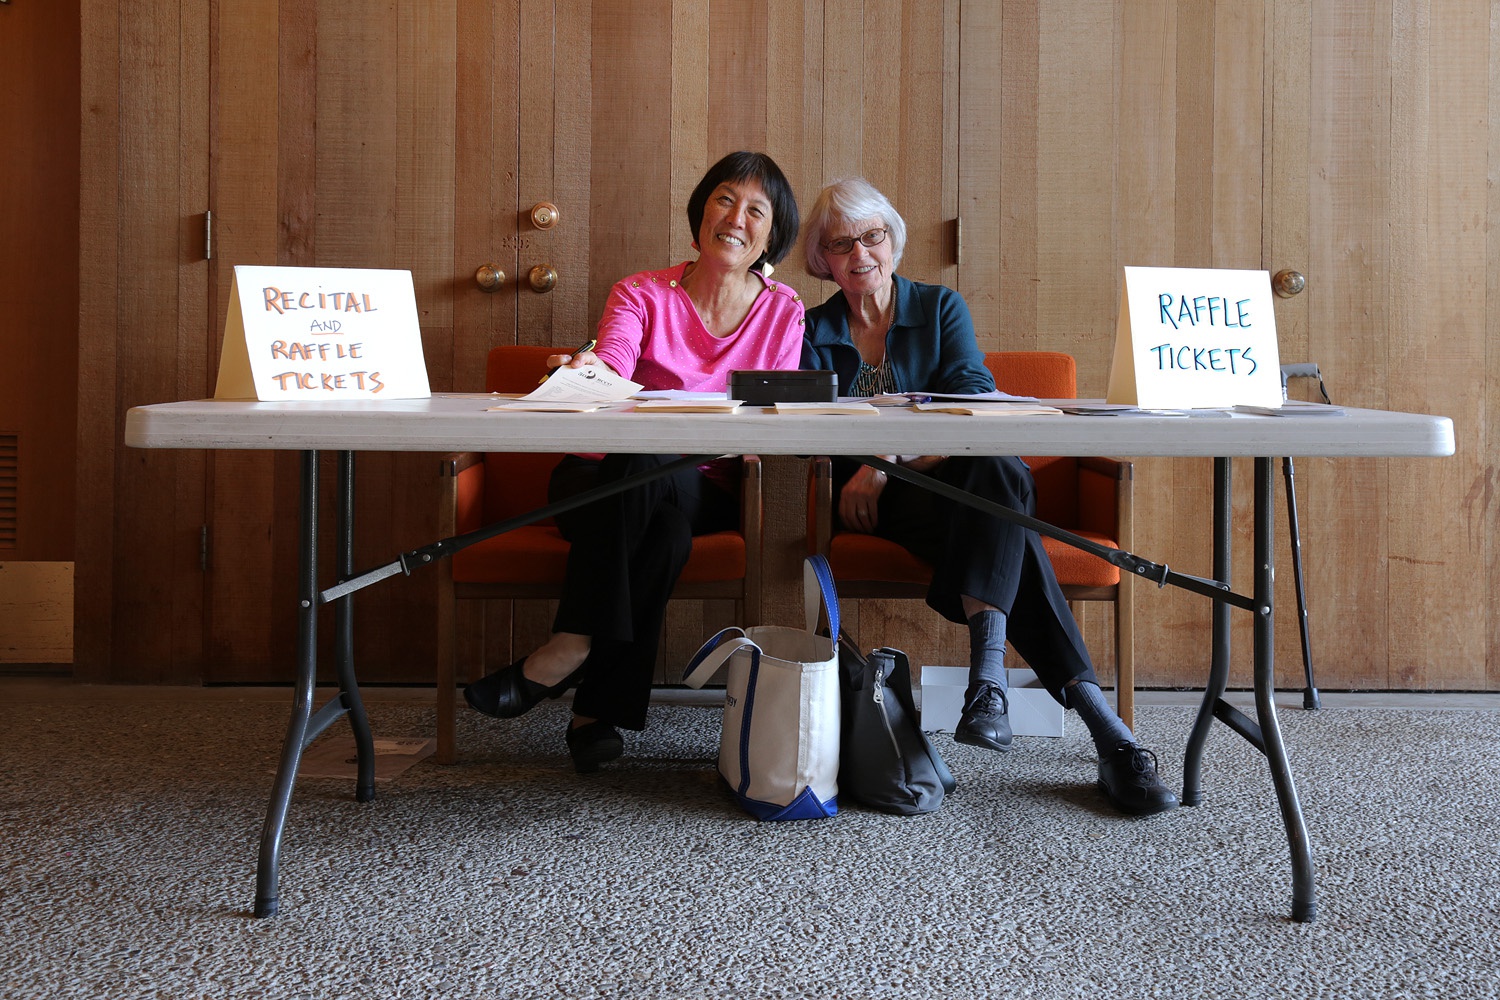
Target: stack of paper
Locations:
point(721, 405)
point(575, 390)
point(983, 409)
point(850, 407)
point(1294, 408)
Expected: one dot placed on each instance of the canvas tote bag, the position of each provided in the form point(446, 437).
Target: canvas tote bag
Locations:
point(779, 749)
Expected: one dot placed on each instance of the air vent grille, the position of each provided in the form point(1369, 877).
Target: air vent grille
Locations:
point(9, 480)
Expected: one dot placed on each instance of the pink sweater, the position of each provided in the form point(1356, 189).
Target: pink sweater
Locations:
point(651, 333)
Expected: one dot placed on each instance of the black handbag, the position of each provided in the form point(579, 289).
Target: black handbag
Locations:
point(886, 762)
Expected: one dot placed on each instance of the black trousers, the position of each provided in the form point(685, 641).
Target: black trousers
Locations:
point(627, 552)
point(990, 559)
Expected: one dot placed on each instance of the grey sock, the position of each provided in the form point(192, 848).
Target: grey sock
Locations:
point(986, 652)
point(1107, 728)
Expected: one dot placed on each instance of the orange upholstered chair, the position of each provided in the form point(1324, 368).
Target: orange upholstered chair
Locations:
point(1087, 496)
point(529, 562)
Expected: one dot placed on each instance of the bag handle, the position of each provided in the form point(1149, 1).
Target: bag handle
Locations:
point(815, 571)
point(713, 655)
point(817, 593)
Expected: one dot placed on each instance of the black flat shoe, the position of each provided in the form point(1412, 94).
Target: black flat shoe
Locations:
point(593, 743)
point(507, 693)
point(1128, 777)
point(986, 721)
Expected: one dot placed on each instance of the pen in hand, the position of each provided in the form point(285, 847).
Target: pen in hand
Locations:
point(588, 345)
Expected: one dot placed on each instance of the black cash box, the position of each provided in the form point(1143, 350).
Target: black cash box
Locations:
point(763, 388)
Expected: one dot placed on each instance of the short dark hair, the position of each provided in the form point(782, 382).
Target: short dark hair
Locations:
point(759, 167)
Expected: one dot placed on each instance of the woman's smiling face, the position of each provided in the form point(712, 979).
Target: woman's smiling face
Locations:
point(736, 224)
point(863, 270)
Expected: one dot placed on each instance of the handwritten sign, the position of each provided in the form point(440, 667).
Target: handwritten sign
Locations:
point(1193, 338)
point(300, 333)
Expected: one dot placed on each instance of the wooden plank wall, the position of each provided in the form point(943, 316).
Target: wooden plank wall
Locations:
point(39, 280)
point(1351, 142)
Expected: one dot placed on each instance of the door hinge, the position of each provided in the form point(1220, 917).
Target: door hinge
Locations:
point(958, 240)
point(203, 548)
point(208, 235)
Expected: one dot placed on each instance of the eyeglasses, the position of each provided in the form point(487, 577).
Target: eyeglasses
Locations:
point(842, 245)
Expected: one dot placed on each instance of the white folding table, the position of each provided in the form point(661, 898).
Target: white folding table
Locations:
point(464, 422)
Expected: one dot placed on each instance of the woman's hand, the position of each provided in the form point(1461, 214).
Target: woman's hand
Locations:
point(921, 463)
point(578, 360)
point(860, 498)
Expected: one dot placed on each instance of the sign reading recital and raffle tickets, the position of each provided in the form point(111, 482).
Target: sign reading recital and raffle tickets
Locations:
point(300, 333)
point(1191, 338)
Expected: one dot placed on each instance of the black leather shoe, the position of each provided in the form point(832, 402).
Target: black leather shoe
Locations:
point(593, 743)
point(986, 720)
point(1128, 776)
point(507, 693)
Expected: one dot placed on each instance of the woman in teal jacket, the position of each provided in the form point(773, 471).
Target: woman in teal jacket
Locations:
point(882, 333)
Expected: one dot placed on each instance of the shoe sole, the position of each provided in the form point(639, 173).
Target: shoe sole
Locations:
point(1134, 810)
point(588, 761)
point(974, 740)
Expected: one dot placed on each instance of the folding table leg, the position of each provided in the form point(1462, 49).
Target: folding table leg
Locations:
point(343, 639)
point(1304, 903)
point(1310, 699)
point(307, 671)
point(1218, 671)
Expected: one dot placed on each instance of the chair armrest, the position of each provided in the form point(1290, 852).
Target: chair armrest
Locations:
point(451, 479)
point(1114, 468)
point(455, 462)
point(752, 502)
point(1106, 493)
point(752, 529)
point(819, 504)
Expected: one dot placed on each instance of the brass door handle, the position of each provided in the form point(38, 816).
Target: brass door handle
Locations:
point(542, 278)
point(489, 277)
point(1287, 283)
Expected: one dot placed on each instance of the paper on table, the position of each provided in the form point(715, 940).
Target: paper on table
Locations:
point(912, 398)
point(588, 384)
point(990, 409)
point(561, 405)
point(686, 405)
point(843, 406)
point(1293, 408)
point(678, 394)
point(1117, 410)
point(978, 396)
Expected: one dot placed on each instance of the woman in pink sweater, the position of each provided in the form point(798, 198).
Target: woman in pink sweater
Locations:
point(686, 327)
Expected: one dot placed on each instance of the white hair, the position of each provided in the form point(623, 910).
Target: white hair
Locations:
point(849, 200)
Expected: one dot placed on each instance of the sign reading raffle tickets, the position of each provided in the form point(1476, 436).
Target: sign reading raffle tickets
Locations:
point(1193, 338)
point(300, 333)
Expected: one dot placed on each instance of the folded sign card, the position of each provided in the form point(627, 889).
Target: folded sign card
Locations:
point(299, 333)
point(1195, 337)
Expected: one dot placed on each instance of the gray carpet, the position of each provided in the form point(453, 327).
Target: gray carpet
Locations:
point(131, 825)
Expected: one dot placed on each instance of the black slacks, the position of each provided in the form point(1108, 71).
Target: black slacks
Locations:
point(627, 552)
point(990, 559)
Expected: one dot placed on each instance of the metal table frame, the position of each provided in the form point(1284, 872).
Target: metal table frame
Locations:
point(198, 425)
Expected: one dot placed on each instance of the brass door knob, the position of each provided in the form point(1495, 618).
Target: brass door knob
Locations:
point(544, 215)
point(542, 278)
point(1287, 283)
point(489, 277)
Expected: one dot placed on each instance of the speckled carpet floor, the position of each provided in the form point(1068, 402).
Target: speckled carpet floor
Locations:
point(130, 826)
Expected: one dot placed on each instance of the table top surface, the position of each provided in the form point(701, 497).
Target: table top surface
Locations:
point(463, 422)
